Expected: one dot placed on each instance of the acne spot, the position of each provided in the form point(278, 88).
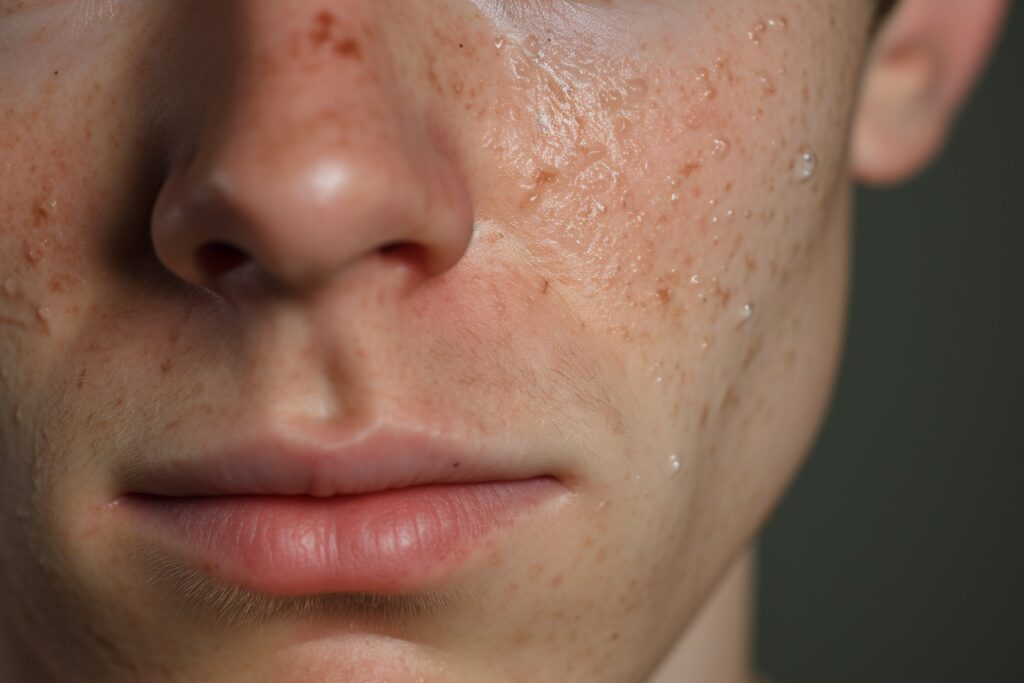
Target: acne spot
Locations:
point(33, 253)
point(544, 177)
point(324, 35)
point(43, 317)
point(42, 211)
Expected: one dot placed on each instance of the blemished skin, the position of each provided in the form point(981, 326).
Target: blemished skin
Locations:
point(622, 237)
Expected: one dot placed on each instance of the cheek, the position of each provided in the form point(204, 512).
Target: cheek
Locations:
point(74, 203)
point(663, 182)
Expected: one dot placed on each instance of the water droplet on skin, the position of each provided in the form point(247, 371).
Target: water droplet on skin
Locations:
point(499, 42)
point(532, 46)
point(695, 279)
point(674, 197)
point(746, 312)
point(756, 32)
point(806, 165)
point(637, 88)
point(778, 22)
point(673, 463)
point(544, 122)
point(766, 83)
point(719, 148)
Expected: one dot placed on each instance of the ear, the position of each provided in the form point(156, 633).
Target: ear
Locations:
point(923, 64)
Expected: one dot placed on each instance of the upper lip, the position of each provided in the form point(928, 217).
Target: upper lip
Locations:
point(293, 462)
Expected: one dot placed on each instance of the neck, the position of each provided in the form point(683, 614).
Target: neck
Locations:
point(716, 644)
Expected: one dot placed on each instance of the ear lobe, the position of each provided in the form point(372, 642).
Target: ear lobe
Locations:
point(924, 63)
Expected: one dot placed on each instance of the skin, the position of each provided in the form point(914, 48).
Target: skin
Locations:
point(622, 240)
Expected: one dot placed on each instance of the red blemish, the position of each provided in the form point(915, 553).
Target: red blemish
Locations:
point(323, 25)
point(323, 35)
point(347, 48)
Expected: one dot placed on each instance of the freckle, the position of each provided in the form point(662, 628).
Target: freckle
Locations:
point(165, 366)
point(556, 581)
point(545, 286)
point(664, 296)
point(588, 542)
point(347, 48)
point(323, 23)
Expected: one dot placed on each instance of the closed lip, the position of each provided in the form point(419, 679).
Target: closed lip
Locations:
point(376, 458)
point(378, 510)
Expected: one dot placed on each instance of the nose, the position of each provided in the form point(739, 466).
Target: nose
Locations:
point(310, 159)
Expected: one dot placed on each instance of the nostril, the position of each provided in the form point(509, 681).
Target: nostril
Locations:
point(411, 253)
point(217, 258)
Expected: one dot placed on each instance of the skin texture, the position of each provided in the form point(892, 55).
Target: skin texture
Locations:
point(610, 235)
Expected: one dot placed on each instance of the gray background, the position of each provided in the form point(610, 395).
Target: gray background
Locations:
point(898, 555)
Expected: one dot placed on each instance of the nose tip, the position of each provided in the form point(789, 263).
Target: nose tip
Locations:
point(304, 221)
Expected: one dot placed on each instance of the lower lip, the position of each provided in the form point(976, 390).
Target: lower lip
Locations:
point(390, 541)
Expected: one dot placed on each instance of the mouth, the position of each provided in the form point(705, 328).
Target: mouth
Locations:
point(381, 511)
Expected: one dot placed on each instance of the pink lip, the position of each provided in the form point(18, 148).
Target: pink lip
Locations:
point(377, 511)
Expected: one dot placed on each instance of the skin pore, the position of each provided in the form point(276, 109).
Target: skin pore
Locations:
point(606, 239)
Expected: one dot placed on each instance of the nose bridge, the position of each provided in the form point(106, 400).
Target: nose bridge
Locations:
point(306, 79)
point(309, 158)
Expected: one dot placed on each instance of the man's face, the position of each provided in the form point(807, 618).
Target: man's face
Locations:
point(600, 242)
